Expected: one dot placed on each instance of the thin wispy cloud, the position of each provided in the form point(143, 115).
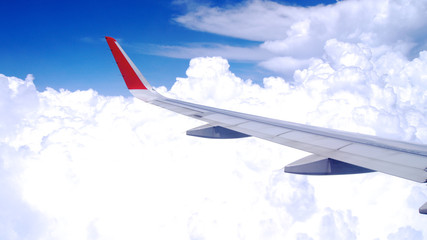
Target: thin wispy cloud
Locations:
point(251, 54)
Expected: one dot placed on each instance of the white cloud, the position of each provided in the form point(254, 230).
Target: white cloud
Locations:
point(290, 36)
point(211, 50)
point(284, 65)
point(406, 233)
point(338, 225)
point(247, 20)
point(371, 22)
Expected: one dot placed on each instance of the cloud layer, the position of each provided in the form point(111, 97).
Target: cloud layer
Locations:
point(78, 165)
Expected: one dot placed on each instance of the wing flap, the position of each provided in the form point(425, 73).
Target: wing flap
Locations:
point(269, 130)
point(392, 156)
point(383, 165)
point(223, 119)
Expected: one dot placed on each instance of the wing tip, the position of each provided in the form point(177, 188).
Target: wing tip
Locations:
point(110, 39)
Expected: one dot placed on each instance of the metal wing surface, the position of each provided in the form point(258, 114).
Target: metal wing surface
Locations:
point(334, 152)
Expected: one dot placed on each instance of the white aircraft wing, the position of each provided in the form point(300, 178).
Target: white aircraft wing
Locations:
point(333, 152)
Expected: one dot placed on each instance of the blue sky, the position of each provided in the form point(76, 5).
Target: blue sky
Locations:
point(62, 45)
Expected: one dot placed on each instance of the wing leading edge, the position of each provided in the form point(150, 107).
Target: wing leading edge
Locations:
point(334, 152)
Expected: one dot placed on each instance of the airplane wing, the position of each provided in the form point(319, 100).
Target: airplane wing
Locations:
point(333, 152)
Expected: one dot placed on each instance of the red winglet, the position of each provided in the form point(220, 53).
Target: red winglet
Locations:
point(126, 66)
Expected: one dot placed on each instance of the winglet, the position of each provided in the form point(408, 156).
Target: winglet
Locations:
point(132, 76)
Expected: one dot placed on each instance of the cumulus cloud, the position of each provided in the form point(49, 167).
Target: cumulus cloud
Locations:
point(18, 101)
point(81, 165)
point(338, 225)
point(405, 233)
point(284, 65)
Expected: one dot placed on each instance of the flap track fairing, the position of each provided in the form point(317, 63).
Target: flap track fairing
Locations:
point(209, 131)
point(318, 165)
